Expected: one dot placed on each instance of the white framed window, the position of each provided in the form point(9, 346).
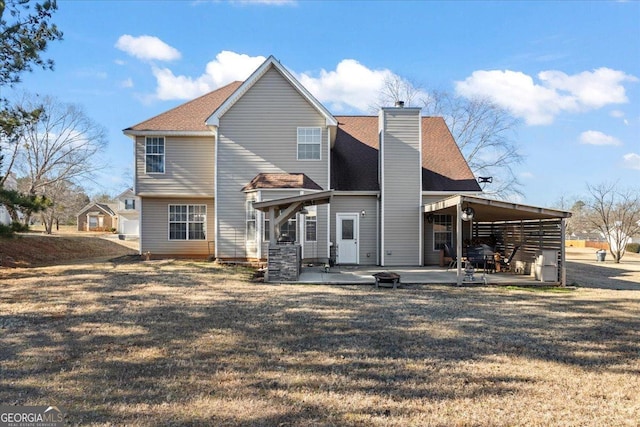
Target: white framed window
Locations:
point(288, 230)
point(250, 213)
point(309, 143)
point(129, 204)
point(187, 222)
point(265, 229)
point(311, 224)
point(154, 154)
point(442, 231)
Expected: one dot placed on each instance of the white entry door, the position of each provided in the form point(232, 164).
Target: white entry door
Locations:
point(347, 238)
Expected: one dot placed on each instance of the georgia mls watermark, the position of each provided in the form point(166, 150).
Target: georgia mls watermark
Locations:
point(31, 416)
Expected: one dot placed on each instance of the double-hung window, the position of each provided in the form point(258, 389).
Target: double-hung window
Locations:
point(187, 222)
point(309, 143)
point(442, 231)
point(251, 229)
point(154, 154)
point(311, 224)
point(129, 204)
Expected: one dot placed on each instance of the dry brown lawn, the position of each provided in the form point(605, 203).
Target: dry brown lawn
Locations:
point(33, 249)
point(185, 343)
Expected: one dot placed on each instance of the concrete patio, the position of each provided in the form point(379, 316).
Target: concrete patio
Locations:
point(411, 275)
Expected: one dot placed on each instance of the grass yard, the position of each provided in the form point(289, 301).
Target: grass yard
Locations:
point(184, 343)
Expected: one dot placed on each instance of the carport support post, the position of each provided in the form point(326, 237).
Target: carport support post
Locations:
point(563, 252)
point(459, 242)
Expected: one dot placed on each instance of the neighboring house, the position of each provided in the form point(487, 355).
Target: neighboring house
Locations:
point(97, 217)
point(262, 160)
point(128, 212)
point(10, 184)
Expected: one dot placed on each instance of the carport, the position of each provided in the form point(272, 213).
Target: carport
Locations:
point(533, 229)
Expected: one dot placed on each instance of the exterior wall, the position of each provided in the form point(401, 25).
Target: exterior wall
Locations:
point(189, 168)
point(368, 235)
point(401, 186)
point(128, 219)
point(259, 134)
point(154, 232)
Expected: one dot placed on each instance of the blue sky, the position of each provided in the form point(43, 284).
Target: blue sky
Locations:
point(569, 70)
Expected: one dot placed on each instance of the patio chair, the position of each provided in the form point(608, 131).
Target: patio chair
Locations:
point(451, 254)
point(505, 264)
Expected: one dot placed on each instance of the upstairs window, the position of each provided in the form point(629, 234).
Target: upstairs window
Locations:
point(129, 204)
point(309, 143)
point(154, 154)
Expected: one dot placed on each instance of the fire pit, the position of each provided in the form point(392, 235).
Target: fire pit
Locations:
point(387, 277)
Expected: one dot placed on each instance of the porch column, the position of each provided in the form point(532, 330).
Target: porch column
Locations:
point(563, 254)
point(459, 241)
point(272, 226)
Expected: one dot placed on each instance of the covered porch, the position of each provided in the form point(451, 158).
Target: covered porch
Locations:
point(532, 237)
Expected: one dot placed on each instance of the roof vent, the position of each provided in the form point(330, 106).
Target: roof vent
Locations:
point(400, 104)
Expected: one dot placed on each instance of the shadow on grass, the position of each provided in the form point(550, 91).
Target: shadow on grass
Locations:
point(172, 335)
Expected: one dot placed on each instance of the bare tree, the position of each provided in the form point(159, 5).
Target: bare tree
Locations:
point(616, 214)
point(63, 145)
point(484, 131)
point(396, 88)
point(66, 199)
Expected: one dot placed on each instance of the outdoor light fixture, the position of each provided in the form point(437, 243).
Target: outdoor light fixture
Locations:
point(363, 212)
point(303, 211)
point(430, 218)
point(467, 213)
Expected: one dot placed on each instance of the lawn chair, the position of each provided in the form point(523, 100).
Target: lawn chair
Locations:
point(505, 264)
point(451, 254)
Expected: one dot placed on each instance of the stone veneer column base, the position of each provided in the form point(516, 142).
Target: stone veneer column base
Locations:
point(283, 264)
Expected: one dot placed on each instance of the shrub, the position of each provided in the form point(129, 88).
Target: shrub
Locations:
point(19, 227)
point(633, 247)
point(6, 231)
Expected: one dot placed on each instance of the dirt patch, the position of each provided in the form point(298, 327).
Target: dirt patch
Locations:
point(31, 250)
point(190, 343)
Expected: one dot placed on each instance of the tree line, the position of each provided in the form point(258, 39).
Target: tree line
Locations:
point(47, 147)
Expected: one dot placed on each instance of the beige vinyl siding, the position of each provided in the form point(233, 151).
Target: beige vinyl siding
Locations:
point(154, 232)
point(189, 167)
point(401, 186)
point(368, 224)
point(259, 134)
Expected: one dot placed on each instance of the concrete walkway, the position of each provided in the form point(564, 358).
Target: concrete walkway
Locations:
point(409, 275)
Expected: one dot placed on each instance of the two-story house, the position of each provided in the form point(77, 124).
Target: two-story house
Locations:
point(213, 173)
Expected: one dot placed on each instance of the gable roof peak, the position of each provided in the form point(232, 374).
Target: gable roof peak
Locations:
point(270, 62)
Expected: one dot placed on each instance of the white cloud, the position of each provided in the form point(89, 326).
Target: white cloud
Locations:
point(128, 83)
point(631, 161)
point(147, 48)
point(350, 85)
point(555, 92)
point(594, 137)
point(119, 62)
point(526, 175)
point(617, 114)
point(226, 68)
